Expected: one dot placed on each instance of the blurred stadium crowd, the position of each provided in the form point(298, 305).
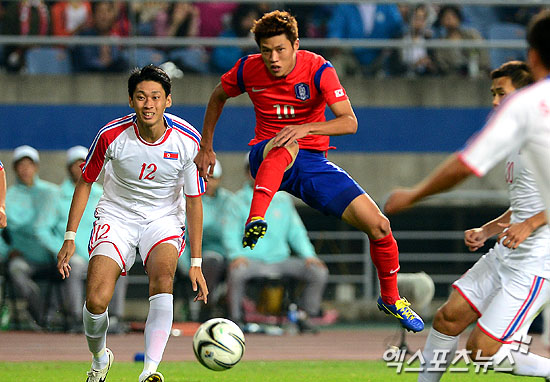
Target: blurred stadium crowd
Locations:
point(414, 23)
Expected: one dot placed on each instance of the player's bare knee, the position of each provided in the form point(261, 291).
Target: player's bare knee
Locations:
point(96, 304)
point(381, 228)
point(161, 284)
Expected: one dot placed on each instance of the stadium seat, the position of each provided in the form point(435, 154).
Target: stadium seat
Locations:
point(505, 31)
point(44, 60)
point(146, 56)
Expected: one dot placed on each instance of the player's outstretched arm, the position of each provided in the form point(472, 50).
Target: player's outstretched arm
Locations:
point(3, 219)
point(78, 205)
point(450, 173)
point(513, 234)
point(194, 232)
point(206, 158)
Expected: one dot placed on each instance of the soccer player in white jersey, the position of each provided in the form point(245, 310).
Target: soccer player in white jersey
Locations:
point(522, 121)
point(148, 162)
point(506, 288)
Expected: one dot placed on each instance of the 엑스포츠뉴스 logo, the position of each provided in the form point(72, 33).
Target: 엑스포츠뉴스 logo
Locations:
point(302, 91)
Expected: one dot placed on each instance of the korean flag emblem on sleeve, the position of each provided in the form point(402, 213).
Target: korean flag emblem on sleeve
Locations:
point(171, 155)
point(339, 93)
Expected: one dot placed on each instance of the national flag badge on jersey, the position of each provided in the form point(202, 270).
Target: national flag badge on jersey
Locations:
point(171, 155)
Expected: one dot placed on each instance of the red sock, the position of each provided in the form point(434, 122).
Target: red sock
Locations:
point(385, 257)
point(268, 180)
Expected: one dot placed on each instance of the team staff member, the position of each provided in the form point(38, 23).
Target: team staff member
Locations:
point(148, 161)
point(3, 220)
point(290, 89)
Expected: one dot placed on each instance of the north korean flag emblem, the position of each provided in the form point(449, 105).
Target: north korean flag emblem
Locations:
point(171, 155)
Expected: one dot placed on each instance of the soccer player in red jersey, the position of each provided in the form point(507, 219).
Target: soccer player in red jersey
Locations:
point(290, 89)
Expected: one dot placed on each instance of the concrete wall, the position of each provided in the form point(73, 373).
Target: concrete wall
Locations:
point(377, 173)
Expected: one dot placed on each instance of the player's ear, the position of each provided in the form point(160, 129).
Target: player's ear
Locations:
point(130, 102)
point(296, 44)
point(169, 100)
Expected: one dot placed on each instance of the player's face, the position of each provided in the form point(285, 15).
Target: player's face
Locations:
point(149, 102)
point(279, 54)
point(500, 88)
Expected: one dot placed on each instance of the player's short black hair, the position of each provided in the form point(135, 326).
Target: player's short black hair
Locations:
point(518, 72)
point(274, 24)
point(538, 36)
point(149, 73)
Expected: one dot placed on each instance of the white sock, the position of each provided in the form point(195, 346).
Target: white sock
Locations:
point(438, 346)
point(95, 328)
point(157, 330)
point(525, 363)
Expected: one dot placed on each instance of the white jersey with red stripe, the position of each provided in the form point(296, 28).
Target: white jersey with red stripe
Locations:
point(533, 254)
point(145, 181)
point(521, 122)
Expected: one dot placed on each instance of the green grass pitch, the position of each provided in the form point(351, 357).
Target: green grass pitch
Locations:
point(246, 371)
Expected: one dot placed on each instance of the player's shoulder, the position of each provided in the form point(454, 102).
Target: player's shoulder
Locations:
point(184, 129)
point(114, 128)
point(314, 60)
point(528, 96)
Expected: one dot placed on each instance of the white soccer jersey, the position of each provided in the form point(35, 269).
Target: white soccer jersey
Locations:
point(522, 121)
point(145, 181)
point(533, 255)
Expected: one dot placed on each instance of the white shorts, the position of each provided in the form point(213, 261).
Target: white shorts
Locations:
point(120, 239)
point(506, 299)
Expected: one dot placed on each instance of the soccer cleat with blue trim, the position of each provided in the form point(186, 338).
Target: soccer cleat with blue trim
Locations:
point(153, 377)
point(101, 375)
point(405, 315)
point(254, 231)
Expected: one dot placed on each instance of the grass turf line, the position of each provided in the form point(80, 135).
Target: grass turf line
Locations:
point(248, 371)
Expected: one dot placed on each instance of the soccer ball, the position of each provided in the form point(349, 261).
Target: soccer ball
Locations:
point(218, 344)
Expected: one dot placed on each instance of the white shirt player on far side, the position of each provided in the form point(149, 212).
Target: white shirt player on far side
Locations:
point(148, 162)
point(521, 122)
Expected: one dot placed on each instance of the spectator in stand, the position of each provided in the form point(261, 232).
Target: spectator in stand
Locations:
point(146, 14)
point(417, 59)
point(32, 231)
point(366, 20)
point(23, 18)
point(214, 16)
point(459, 60)
point(223, 57)
point(217, 202)
point(312, 19)
point(100, 58)
point(183, 20)
point(272, 255)
point(70, 17)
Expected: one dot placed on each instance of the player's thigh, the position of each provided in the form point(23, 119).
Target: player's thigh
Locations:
point(160, 245)
point(454, 316)
point(364, 214)
point(481, 344)
point(518, 302)
point(103, 273)
point(116, 239)
point(161, 268)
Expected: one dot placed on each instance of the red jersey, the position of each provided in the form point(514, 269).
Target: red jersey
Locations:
point(298, 98)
